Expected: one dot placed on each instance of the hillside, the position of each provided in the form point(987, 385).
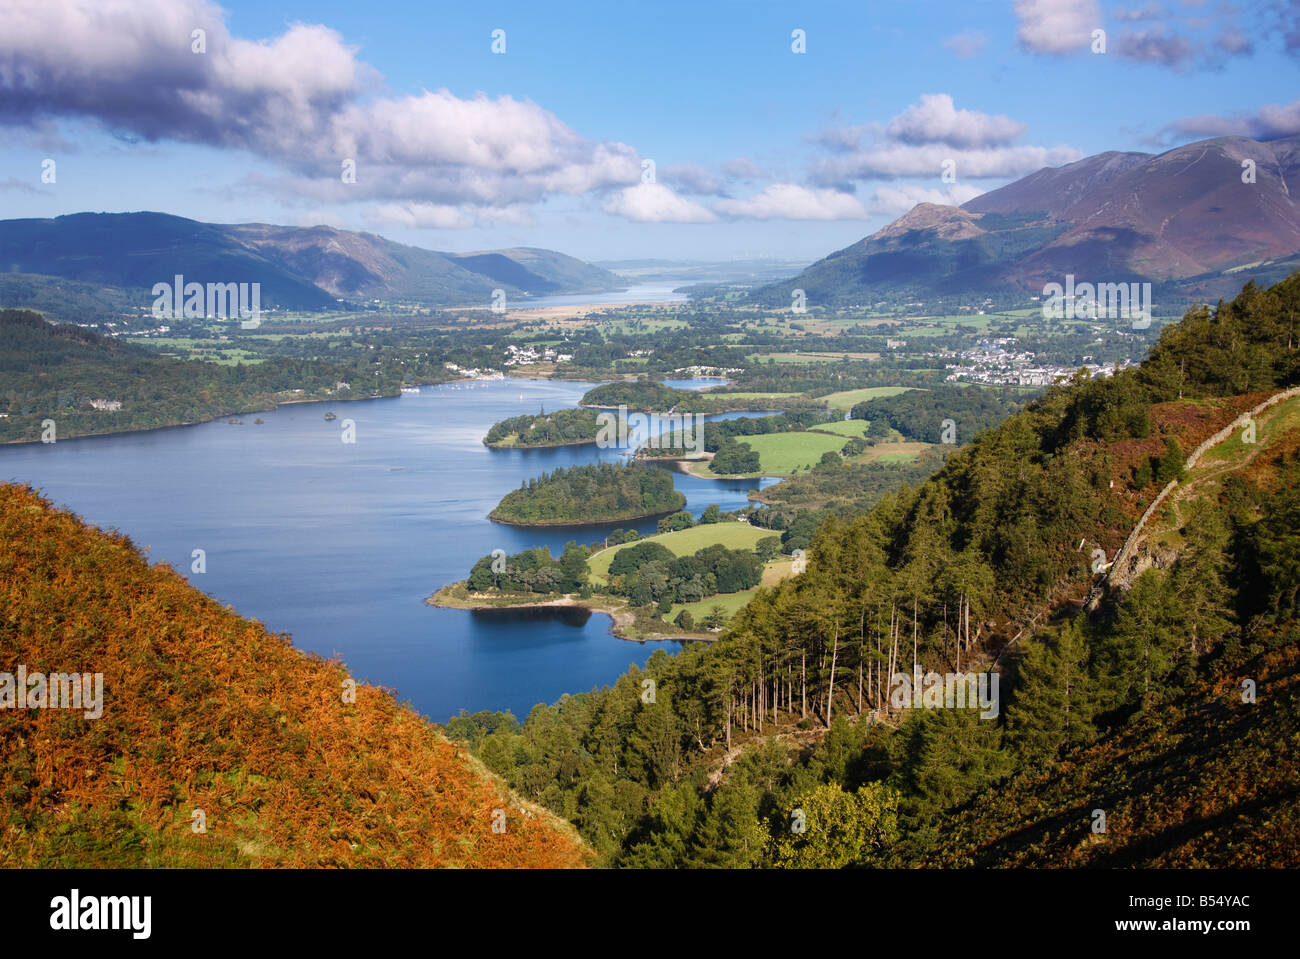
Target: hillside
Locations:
point(205, 710)
point(55, 371)
point(299, 268)
point(1182, 219)
point(986, 567)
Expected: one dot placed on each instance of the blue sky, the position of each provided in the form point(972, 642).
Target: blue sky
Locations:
point(757, 150)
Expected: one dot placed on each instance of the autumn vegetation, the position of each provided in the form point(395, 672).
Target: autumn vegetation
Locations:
point(206, 710)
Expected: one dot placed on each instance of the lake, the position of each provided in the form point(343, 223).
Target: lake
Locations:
point(339, 544)
point(635, 293)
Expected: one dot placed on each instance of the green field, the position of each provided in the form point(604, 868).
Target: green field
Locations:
point(750, 396)
point(686, 542)
point(844, 428)
point(731, 602)
point(806, 358)
point(782, 453)
point(847, 399)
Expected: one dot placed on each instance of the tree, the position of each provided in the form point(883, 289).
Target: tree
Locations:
point(685, 620)
point(716, 619)
point(1055, 697)
point(828, 828)
point(712, 513)
point(1170, 465)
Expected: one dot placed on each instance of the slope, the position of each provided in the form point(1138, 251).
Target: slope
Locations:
point(1186, 218)
point(300, 268)
point(203, 710)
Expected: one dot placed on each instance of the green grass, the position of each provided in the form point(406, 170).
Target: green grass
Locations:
point(811, 357)
point(896, 458)
point(731, 602)
point(847, 399)
point(844, 428)
point(750, 396)
point(686, 542)
point(782, 453)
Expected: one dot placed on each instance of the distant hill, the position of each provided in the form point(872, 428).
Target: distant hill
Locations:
point(1182, 218)
point(207, 718)
point(304, 268)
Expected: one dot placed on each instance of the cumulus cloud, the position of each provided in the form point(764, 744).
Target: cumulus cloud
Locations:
point(693, 179)
point(790, 201)
point(929, 160)
point(1056, 26)
point(894, 200)
point(925, 139)
point(1157, 46)
point(1152, 11)
point(303, 100)
point(966, 46)
point(656, 203)
point(934, 119)
point(1266, 123)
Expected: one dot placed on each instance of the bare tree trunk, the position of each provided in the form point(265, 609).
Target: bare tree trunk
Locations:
point(830, 691)
point(915, 660)
point(803, 682)
point(893, 644)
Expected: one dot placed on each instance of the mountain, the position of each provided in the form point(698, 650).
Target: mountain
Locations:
point(302, 268)
point(200, 717)
point(1183, 218)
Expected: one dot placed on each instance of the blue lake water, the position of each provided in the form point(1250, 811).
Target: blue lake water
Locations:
point(635, 293)
point(339, 544)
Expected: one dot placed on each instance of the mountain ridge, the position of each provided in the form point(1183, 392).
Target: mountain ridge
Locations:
point(309, 268)
point(1186, 218)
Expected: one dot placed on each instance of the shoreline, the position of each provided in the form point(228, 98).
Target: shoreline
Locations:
point(658, 514)
point(457, 596)
point(539, 446)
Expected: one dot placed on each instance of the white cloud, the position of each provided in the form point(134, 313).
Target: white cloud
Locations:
point(896, 200)
point(1057, 26)
point(1267, 122)
point(934, 119)
point(655, 203)
point(928, 160)
point(789, 201)
point(302, 99)
point(425, 216)
point(694, 179)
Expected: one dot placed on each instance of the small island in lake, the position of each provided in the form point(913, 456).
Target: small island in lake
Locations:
point(598, 493)
point(685, 582)
point(568, 427)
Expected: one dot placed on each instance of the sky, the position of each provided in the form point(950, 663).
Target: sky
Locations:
point(609, 131)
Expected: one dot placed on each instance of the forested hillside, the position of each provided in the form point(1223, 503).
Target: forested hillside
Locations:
point(53, 372)
point(217, 743)
point(985, 568)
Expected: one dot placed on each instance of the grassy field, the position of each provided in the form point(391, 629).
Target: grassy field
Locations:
point(750, 396)
point(850, 398)
point(780, 454)
point(686, 542)
point(844, 428)
point(773, 573)
point(810, 357)
point(732, 603)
